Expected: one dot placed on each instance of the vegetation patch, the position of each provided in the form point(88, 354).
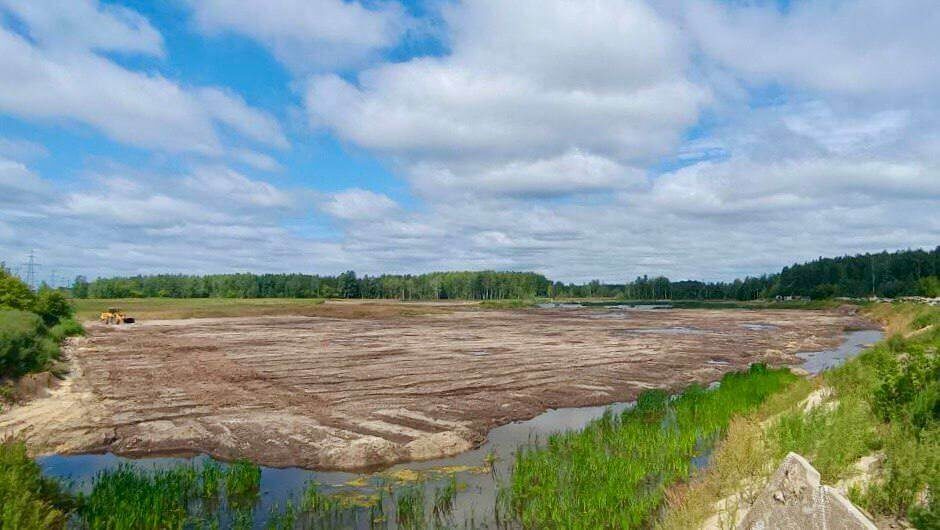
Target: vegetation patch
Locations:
point(32, 324)
point(28, 501)
point(885, 404)
point(616, 471)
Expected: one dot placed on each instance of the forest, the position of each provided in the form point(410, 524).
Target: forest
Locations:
point(884, 274)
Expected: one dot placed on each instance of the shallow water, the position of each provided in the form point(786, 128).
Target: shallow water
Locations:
point(855, 341)
point(474, 503)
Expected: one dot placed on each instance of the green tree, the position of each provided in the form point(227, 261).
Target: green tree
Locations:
point(349, 287)
point(14, 294)
point(52, 306)
point(80, 287)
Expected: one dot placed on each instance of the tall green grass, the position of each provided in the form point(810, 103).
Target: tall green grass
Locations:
point(27, 500)
point(178, 497)
point(614, 473)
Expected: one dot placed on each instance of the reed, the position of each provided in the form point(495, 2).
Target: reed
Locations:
point(615, 472)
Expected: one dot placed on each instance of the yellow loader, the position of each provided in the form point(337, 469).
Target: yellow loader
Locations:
point(115, 316)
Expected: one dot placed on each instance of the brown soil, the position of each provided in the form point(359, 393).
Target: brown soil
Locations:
point(375, 387)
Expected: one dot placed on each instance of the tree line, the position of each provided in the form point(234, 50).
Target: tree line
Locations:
point(481, 285)
point(885, 274)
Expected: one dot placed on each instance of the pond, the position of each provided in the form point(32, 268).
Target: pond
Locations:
point(477, 471)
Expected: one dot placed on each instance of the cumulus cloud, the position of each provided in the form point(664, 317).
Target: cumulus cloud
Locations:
point(125, 221)
point(584, 86)
point(230, 108)
point(18, 184)
point(853, 47)
point(59, 76)
point(567, 173)
point(308, 35)
point(86, 24)
point(226, 184)
point(579, 139)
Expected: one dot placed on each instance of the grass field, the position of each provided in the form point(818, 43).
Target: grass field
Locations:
point(173, 308)
point(169, 308)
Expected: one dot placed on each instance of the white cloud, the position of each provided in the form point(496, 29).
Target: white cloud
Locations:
point(86, 25)
point(308, 34)
point(21, 149)
point(852, 46)
point(525, 83)
point(60, 77)
point(230, 109)
point(18, 184)
point(359, 205)
point(536, 142)
point(256, 160)
point(571, 172)
point(221, 183)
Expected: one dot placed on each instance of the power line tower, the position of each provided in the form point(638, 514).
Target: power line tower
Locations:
point(31, 267)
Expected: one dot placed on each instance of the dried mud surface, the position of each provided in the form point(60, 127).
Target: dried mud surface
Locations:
point(383, 387)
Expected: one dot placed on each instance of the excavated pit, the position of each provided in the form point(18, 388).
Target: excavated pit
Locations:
point(321, 392)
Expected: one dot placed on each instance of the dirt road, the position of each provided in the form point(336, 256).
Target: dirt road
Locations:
point(353, 393)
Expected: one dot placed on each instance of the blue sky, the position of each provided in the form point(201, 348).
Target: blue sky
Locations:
point(602, 139)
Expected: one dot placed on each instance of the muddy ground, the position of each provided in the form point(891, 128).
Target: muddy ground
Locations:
point(371, 387)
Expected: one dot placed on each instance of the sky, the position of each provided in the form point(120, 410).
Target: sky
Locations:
point(590, 139)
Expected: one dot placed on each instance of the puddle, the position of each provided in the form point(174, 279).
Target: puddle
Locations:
point(717, 362)
point(642, 307)
point(477, 496)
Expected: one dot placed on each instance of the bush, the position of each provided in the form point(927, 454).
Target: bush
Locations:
point(905, 380)
point(14, 294)
point(66, 328)
point(24, 345)
point(52, 306)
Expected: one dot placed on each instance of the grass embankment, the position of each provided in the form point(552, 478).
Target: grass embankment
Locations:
point(613, 474)
point(32, 326)
point(882, 407)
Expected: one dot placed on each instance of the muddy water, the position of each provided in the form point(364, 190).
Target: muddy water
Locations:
point(479, 480)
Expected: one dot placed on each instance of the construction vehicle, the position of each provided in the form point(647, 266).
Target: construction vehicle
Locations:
point(115, 316)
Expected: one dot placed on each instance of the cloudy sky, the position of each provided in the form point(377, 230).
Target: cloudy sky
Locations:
point(582, 139)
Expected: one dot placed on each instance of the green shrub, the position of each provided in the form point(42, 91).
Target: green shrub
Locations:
point(52, 306)
point(24, 344)
point(14, 294)
point(904, 380)
point(912, 467)
point(65, 328)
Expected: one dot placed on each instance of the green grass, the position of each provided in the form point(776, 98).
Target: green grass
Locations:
point(614, 473)
point(27, 500)
point(410, 506)
point(177, 497)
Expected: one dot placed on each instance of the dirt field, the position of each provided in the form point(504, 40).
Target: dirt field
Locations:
point(366, 386)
